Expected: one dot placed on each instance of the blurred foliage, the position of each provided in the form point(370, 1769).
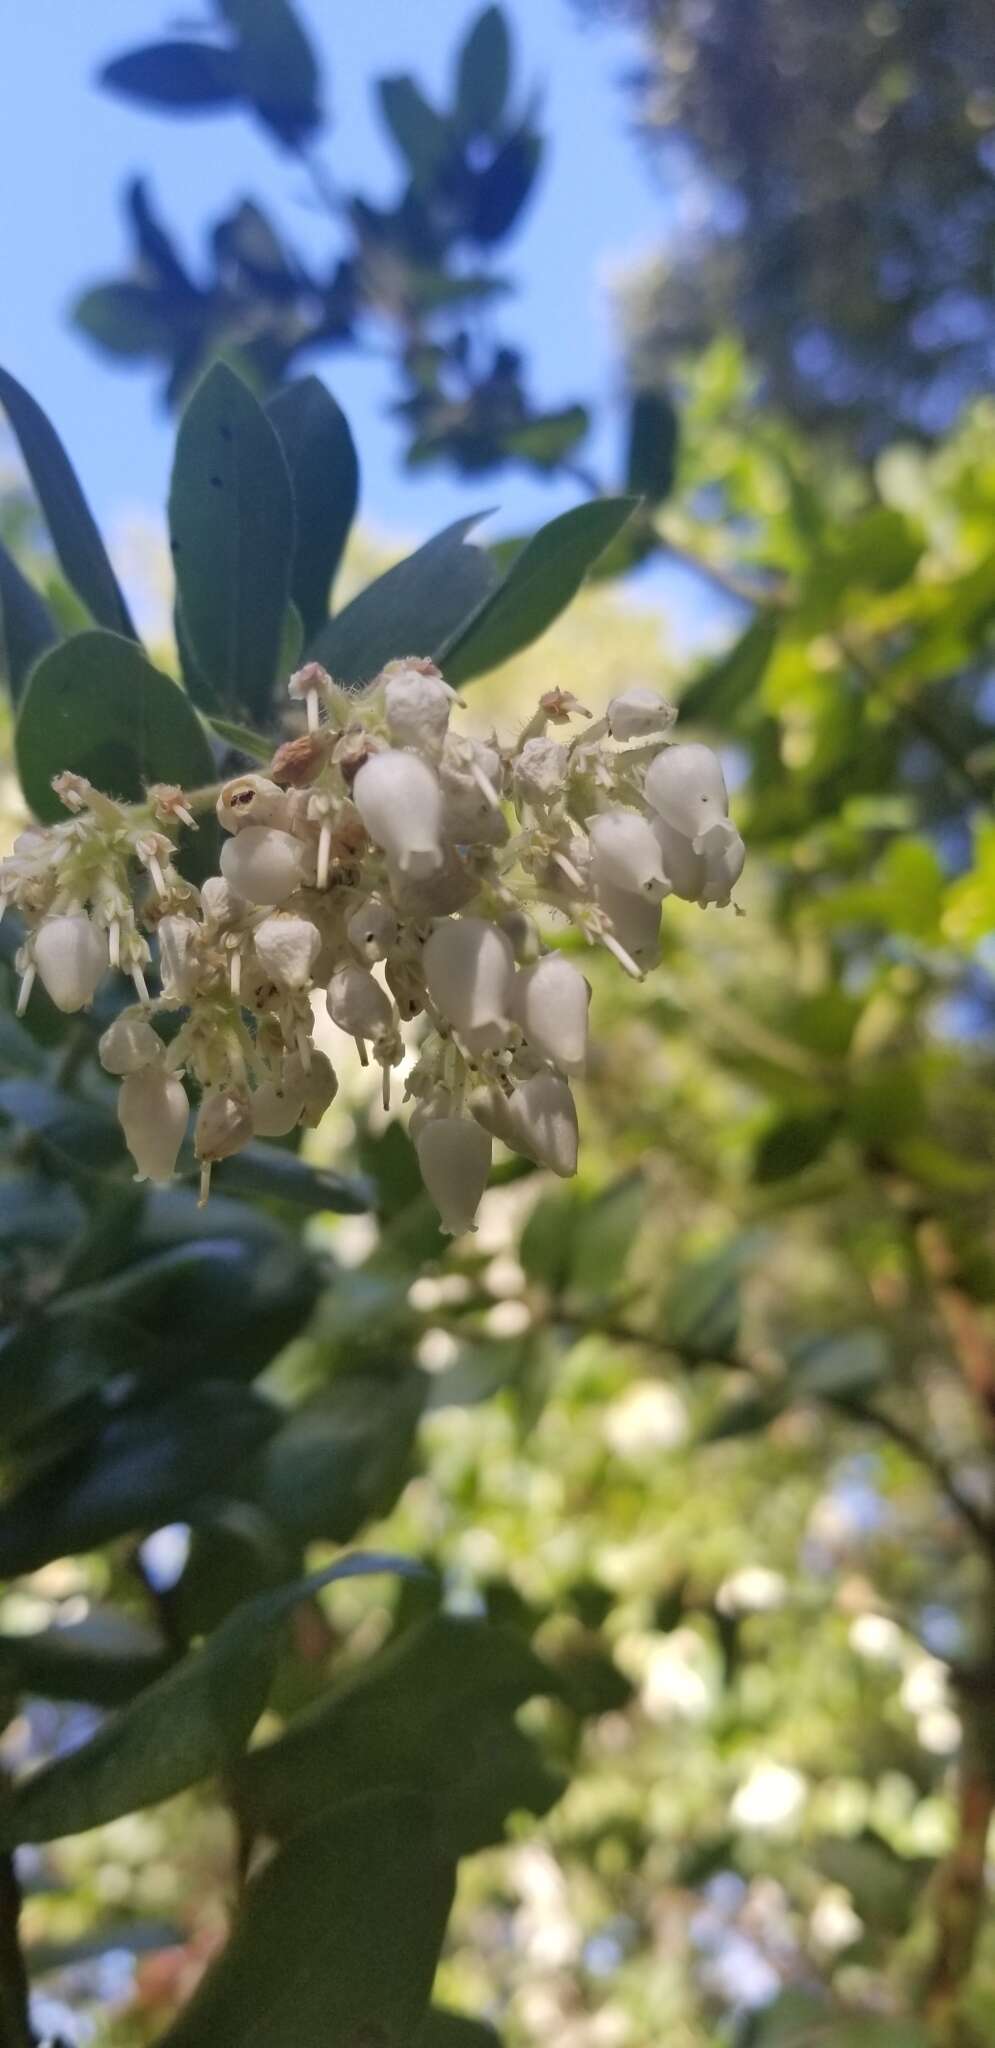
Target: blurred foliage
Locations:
point(697, 1453)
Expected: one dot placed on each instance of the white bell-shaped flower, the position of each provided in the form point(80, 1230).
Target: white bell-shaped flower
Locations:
point(454, 1157)
point(71, 957)
point(550, 1001)
point(540, 771)
point(277, 1106)
point(635, 923)
point(358, 1004)
point(251, 800)
point(625, 853)
point(262, 864)
point(372, 929)
point(179, 963)
point(287, 948)
point(398, 798)
point(152, 1110)
point(470, 779)
point(723, 855)
point(321, 1086)
point(685, 786)
point(219, 902)
point(470, 973)
point(421, 897)
point(639, 713)
point(683, 867)
point(224, 1124)
point(542, 1118)
point(417, 707)
point(128, 1045)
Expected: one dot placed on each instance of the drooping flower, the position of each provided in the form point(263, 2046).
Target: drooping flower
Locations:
point(71, 957)
point(550, 1002)
point(454, 1154)
point(152, 1110)
point(397, 796)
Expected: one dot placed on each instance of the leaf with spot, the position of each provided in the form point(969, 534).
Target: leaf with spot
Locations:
point(231, 520)
point(75, 538)
point(95, 705)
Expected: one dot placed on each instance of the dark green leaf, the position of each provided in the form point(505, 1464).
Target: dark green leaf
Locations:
point(178, 75)
point(546, 439)
point(840, 1366)
point(96, 706)
point(145, 1466)
point(127, 319)
point(276, 66)
point(444, 2029)
point(726, 688)
point(262, 1169)
point(546, 1249)
point(26, 624)
point(416, 608)
point(801, 2019)
point(484, 73)
point(341, 1459)
point(81, 552)
point(503, 188)
point(190, 1724)
point(793, 1143)
point(324, 473)
point(337, 1941)
point(82, 1133)
point(231, 518)
point(604, 1231)
point(538, 586)
point(421, 134)
point(107, 1658)
point(245, 741)
point(652, 457)
point(703, 1305)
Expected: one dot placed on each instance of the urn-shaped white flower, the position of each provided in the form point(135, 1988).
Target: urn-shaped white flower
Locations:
point(625, 853)
point(417, 708)
point(128, 1045)
point(224, 1124)
point(639, 713)
point(152, 1110)
point(358, 1004)
point(542, 1118)
point(398, 798)
point(287, 948)
point(685, 786)
point(71, 957)
point(470, 971)
point(683, 867)
point(276, 1107)
point(262, 864)
point(635, 924)
point(373, 929)
point(550, 1001)
point(454, 1155)
point(178, 957)
point(724, 857)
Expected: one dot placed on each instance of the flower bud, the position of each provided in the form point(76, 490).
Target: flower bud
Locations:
point(724, 857)
point(470, 970)
point(128, 1045)
point(71, 957)
point(683, 867)
point(179, 965)
point(397, 796)
point(219, 901)
point(637, 713)
point(542, 1120)
point(224, 1125)
point(262, 864)
point(358, 1004)
point(686, 787)
point(287, 948)
point(372, 929)
point(625, 853)
point(416, 707)
point(550, 1002)
point(152, 1110)
point(470, 779)
point(454, 1156)
point(635, 923)
point(276, 1107)
point(251, 800)
point(540, 772)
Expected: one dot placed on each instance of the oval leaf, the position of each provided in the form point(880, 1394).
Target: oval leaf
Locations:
point(231, 521)
point(96, 706)
point(27, 627)
point(324, 474)
point(539, 585)
point(75, 538)
point(416, 608)
point(176, 76)
point(484, 73)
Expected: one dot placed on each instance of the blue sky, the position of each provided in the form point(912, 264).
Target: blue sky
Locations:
point(65, 148)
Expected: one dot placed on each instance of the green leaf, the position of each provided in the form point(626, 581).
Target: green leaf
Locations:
point(546, 1248)
point(444, 2029)
point(231, 520)
point(324, 474)
point(546, 439)
point(83, 1134)
point(337, 1941)
point(801, 2019)
point(793, 1143)
point(261, 1169)
point(246, 741)
point(484, 74)
point(106, 1658)
point(340, 1460)
point(144, 1466)
point(702, 1310)
point(416, 608)
point(80, 550)
point(605, 1228)
point(27, 627)
point(422, 136)
point(425, 1712)
point(726, 688)
point(276, 67)
point(538, 586)
point(190, 1724)
point(128, 320)
point(652, 457)
point(174, 75)
point(854, 1362)
point(95, 705)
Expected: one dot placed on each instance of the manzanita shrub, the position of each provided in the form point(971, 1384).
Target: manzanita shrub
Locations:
point(207, 857)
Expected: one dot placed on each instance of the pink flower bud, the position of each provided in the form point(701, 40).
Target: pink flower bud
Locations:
point(454, 1155)
point(152, 1110)
point(262, 864)
point(71, 957)
point(397, 797)
point(550, 1001)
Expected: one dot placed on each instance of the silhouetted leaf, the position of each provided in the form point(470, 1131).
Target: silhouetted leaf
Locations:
point(503, 188)
point(726, 687)
point(231, 518)
point(179, 76)
point(107, 1658)
point(95, 705)
point(261, 1169)
point(416, 608)
point(127, 319)
point(420, 133)
point(324, 474)
point(276, 66)
point(370, 1876)
point(81, 552)
point(546, 439)
point(26, 624)
point(537, 588)
point(652, 453)
point(484, 73)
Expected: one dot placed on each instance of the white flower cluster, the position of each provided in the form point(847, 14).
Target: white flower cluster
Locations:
point(399, 870)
